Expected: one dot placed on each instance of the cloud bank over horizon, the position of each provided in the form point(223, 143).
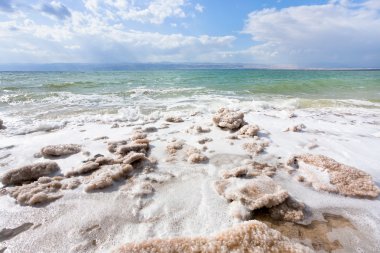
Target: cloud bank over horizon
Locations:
point(321, 34)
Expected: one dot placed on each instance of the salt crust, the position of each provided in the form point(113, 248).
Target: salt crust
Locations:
point(348, 180)
point(105, 171)
point(45, 189)
point(29, 173)
point(250, 237)
point(107, 175)
point(86, 168)
point(248, 188)
point(252, 169)
point(118, 169)
point(296, 128)
point(255, 147)
point(249, 130)
point(60, 150)
point(226, 118)
point(253, 193)
point(174, 119)
point(197, 129)
point(192, 155)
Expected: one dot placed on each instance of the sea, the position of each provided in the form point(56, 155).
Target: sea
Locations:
point(39, 100)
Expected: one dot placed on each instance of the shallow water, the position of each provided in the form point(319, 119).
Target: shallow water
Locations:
point(53, 97)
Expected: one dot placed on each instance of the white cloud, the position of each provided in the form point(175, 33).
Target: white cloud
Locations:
point(337, 34)
point(88, 38)
point(199, 8)
point(154, 11)
point(91, 5)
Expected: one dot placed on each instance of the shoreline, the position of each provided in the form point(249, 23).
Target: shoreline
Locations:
point(184, 202)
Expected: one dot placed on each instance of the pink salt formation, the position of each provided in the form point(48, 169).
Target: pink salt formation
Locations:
point(197, 129)
point(346, 180)
point(174, 119)
point(228, 119)
point(44, 190)
point(249, 130)
point(106, 176)
point(132, 156)
point(60, 150)
point(296, 128)
point(249, 237)
point(194, 155)
point(252, 169)
point(248, 189)
point(254, 193)
point(29, 173)
point(85, 168)
point(255, 147)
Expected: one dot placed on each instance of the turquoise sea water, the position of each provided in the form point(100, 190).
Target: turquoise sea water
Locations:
point(30, 96)
point(361, 85)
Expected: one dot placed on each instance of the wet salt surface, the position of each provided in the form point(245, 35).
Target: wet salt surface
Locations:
point(184, 202)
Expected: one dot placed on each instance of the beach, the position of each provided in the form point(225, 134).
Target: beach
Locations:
point(190, 154)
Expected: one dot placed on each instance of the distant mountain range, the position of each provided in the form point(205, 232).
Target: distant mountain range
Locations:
point(140, 66)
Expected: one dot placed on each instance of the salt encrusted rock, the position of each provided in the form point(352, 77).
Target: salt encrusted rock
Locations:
point(86, 168)
point(137, 147)
point(29, 173)
point(296, 128)
point(70, 184)
point(150, 129)
point(252, 169)
point(195, 156)
point(249, 130)
point(225, 118)
point(204, 140)
point(112, 145)
point(60, 150)
point(249, 237)
point(201, 129)
point(173, 147)
point(256, 147)
point(253, 193)
point(289, 210)
point(174, 119)
point(133, 157)
point(44, 190)
point(347, 180)
point(139, 144)
point(141, 141)
point(198, 129)
point(102, 160)
point(238, 187)
point(106, 176)
point(138, 135)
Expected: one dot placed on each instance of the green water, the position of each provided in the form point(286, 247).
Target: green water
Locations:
point(40, 100)
point(360, 85)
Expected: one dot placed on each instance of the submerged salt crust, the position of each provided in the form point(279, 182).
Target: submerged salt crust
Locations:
point(174, 197)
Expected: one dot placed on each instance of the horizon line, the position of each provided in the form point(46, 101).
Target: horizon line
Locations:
point(35, 67)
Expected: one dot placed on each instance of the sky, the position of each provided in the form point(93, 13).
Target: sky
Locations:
point(274, 33)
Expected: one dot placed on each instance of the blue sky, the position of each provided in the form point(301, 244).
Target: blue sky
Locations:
point(278, 33)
